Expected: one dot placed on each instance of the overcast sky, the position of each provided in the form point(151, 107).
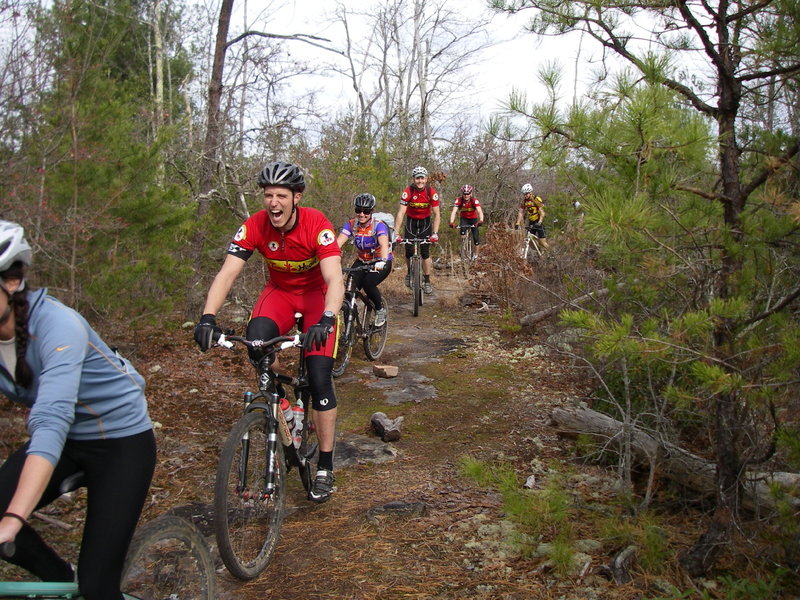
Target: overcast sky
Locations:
point(513, 62)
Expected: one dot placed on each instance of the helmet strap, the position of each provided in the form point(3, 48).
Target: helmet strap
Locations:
point(7, 312)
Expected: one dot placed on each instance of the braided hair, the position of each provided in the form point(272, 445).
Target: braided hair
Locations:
point(19, 302)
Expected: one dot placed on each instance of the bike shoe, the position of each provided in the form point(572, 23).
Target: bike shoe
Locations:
point(427, 287)
point(323, 487)
point(380, 317)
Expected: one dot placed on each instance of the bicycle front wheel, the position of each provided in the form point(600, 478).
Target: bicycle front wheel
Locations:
point(466, 252)
point(344, 346)
point(169, 558)
point(416, 283)
point(375, 337)
point(248, 524)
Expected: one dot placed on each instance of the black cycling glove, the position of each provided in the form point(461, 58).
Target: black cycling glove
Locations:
point(206, 332)
point(317, 335)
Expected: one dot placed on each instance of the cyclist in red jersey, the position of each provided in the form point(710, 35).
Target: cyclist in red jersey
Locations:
point(471, 213)
point(305, 276)
point(419, 208)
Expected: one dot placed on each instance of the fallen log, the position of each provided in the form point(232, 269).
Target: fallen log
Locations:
point(553, 310)
point(675, 463)
point(388, 429)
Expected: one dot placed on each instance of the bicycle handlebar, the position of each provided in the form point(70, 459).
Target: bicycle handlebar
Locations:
point(8, 549)
point(366, 267)
point(415, 240)
point(282, 341)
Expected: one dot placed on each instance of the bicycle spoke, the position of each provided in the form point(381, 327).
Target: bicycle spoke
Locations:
point(375, 337)
point(169, 558)
point(247, 523)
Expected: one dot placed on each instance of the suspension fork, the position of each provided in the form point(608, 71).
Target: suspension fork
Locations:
point(272, 444)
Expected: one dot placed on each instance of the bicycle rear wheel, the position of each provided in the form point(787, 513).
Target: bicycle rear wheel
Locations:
point(308, 452)
point(375, 337)
point(169, 558)
point(246, 524)
point(344, 347)
point(416, 283)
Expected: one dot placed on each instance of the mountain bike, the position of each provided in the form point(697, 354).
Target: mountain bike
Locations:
point(168, 558)
point(357, 321)
point(415, 269)
point(531, 248)
point(251, 483)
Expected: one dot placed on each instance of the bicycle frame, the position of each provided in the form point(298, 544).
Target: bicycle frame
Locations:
point(415, 268)
point(531, 241)
point(41, 589)
point(267, 399)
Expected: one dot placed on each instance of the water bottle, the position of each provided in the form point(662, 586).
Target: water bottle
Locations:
point(299, 415)
point(288, 413)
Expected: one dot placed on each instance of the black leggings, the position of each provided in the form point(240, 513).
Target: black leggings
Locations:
point(319, 368)
point(464, 225)
point(419, 228)
point(369, 281)
point(118, 474)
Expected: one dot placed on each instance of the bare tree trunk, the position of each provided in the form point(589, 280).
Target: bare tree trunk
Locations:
point(158, 41)
point(208, 159)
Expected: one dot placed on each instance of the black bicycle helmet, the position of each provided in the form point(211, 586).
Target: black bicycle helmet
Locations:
point(283, 174)
point(366, 201)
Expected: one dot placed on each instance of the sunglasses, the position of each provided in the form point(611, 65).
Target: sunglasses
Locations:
point(363, 211)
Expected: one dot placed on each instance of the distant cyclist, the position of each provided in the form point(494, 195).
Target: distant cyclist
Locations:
point(531, 211)
point(371, 239)
point(471, 213)
point(420, 203)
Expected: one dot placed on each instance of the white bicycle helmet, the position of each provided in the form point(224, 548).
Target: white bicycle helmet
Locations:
point(13, 246)
point(527, 189)
point(419, 172)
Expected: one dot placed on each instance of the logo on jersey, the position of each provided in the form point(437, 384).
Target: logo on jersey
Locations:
point(241, 234)
point(326, 237)
point(273, 246)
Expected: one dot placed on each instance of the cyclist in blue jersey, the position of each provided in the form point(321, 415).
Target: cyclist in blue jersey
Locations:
point(371, 239)
point(87, 413)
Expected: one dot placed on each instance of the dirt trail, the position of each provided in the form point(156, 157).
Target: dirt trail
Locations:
point(405, 526)
point(409, 526)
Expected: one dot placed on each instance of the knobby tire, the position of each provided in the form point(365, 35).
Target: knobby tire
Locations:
point(309, 446)
point(466, 252)
point(169, 558)
point(416, 283)
point(375, 337)
point(247, 527)
point(347, 338)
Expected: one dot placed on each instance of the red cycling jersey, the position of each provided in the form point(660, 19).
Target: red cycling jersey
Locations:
point(467, 207)
point(293, 257)
point(418, 203)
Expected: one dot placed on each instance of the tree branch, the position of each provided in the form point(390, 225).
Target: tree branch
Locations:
point(770, 169)
point(300, 37)
point(777, 307)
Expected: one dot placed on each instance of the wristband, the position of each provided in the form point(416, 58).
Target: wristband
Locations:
point(15, 516)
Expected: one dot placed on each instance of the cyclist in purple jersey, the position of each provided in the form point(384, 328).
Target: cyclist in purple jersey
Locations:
point(371, 239)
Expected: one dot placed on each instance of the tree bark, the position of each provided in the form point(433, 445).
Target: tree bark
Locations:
point(677, 464)
point(208, 160)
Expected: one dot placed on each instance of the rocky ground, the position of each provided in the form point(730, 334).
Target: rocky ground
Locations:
point(405, 521)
